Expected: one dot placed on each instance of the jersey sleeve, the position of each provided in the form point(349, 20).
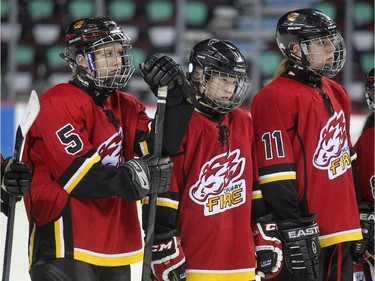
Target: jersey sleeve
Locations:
point(273, 129)
point(167, 204)
point(176, 121)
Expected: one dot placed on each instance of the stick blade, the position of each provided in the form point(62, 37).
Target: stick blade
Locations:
point(31, 112)
point(27, 120)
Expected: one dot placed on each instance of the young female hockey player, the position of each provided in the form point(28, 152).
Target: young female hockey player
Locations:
point(301, 126)
point(364, 147)
point(85, 183)
point(203, 229)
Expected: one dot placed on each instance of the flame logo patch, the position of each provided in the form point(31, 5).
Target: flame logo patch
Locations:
point(332, 153)
point(111, 150)
point(220, 185)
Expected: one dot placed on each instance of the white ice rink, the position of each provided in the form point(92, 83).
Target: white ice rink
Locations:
point(19, 265)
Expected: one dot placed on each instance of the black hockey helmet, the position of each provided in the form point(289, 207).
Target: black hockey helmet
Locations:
point(304, 26)
point(87, 36)
point(213, 56)
point(369, 91)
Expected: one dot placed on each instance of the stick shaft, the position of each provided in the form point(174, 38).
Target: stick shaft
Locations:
point(158, 143)
point(9, 238)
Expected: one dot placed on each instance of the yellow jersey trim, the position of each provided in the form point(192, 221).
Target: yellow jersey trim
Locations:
point(277, 177)
point(221, 275)
point(108, 260)
point(340, 237)
point(81, 172)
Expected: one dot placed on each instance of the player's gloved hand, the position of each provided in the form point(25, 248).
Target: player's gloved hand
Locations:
point(268, 248)
point(150, 174)
point(367, 217)
point(15, 181)
point(168, 260)
point(161, 70)
point(301, 247)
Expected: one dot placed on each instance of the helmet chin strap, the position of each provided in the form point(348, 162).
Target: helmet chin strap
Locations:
point(202, 106)
point(305, 75)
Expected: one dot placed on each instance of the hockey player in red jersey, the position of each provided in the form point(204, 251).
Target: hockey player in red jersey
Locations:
point(82, 205)
point(364, 147)
point(203, 229)
point(302, 136)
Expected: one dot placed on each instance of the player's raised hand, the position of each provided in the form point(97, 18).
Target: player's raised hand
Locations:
point(161, 70)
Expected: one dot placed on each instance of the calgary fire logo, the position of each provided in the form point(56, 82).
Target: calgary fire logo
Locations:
point(332, 153)
point(110, 150)
point(220, 186)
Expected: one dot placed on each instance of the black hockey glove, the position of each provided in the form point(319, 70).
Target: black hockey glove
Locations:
point(168, 260)
point(15, 181)
point(301, 247)
point(150, 174)
point(268, 248)
point(367, 217)
point(160, 70)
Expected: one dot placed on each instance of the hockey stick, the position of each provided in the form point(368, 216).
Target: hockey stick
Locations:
point(158, 142)
point(28, 118)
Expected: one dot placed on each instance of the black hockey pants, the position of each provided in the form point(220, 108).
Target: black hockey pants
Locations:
point(72, 270)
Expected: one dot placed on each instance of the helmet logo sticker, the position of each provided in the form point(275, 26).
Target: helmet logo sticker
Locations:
point(73, 40)
point(212, 41)
point(293, 16)
point(78, 24)
point(220, 186)
point(90, 62)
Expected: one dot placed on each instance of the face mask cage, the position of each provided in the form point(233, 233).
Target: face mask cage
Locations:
point(370, 99)
point(325, 55)
point(111, 61)
point(224, 92)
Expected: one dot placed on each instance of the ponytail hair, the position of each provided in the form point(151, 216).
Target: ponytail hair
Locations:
point(284, 65)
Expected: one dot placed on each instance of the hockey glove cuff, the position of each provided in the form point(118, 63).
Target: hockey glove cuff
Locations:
point(367, 217)
point(301, 247)
point(168, 260)
point(268, 248)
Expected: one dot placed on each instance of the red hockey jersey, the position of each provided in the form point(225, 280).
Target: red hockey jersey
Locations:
point(304, 156)
point(71, 127)
point(364, 148)
point(214, 183)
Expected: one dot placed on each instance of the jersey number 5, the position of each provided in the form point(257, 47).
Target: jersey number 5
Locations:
point(273, 139)
point(72, 141)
